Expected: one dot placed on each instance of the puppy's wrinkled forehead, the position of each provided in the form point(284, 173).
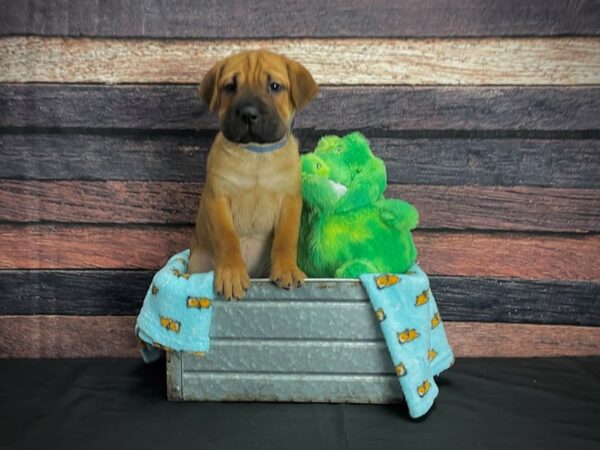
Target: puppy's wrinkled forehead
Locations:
point(275, 78)
point(255, 68)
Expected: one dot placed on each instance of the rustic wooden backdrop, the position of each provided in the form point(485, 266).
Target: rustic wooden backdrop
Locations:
point(487, 113)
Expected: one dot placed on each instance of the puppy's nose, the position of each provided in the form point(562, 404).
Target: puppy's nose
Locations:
point(249, 114)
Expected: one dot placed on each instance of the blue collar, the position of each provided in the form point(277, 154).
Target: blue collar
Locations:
point(271, 147)
point(266, 148)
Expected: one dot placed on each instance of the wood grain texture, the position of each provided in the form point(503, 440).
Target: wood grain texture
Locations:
point(175, 107)
point(182, 157)
point(239, 19)
point(79, 337)
point(510, 255)
point(460, 254)
point(487, 115)
point(77, 247)
point(515, 208)
point(98, 156)
point(121, 292)
point(67, 337)
point(440, 207)
point(499, 61)
point(509, 300)
point(99, 202)
point(475, 340)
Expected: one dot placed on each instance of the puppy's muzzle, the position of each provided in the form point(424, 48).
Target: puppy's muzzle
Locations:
point(249, 114)
point(252, 119)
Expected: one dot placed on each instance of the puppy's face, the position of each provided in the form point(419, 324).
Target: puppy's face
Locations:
point(256, 95)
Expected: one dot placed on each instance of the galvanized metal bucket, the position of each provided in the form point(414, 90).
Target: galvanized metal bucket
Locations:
point(318, 343)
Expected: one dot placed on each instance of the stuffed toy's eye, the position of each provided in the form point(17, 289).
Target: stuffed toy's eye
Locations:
point(274, 87)
point(230, 87)
point(318, 165)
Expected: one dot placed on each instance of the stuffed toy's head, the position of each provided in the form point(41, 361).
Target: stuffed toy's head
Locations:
point(348, 227)
point(339, 165)
point(352, 151)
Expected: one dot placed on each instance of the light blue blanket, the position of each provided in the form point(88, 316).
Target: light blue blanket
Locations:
point(177, 312)
point(413, 331)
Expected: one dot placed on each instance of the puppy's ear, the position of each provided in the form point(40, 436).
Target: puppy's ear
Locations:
point(209, 88)
point(303, 87)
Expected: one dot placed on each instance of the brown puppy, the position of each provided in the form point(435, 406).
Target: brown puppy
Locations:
point(249, 215)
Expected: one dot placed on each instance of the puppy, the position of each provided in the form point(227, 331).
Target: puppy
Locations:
point(249, 214)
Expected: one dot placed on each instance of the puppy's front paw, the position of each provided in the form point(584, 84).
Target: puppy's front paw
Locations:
point(231, 280)
point(287, 276)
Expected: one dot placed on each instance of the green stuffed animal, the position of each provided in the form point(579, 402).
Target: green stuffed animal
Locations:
point(348, 228)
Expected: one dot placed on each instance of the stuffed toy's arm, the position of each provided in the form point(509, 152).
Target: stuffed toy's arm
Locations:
point(366, 187)
point(318, 193)
point(398, 214)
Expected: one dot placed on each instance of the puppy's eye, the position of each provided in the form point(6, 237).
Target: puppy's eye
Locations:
point(230, 87)
point(275, 87)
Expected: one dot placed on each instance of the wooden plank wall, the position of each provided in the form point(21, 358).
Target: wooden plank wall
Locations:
point(487, 113)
